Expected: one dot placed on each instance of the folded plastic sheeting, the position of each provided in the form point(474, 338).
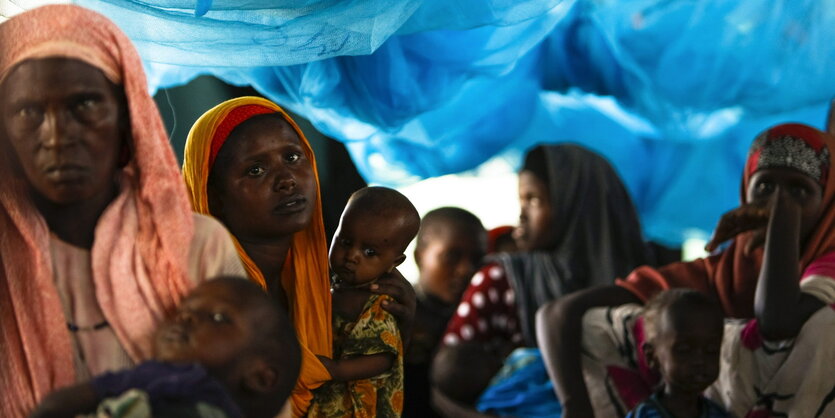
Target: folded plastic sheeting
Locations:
point(672, 91)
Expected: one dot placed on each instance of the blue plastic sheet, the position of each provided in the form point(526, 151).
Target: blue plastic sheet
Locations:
point(521, 389)
point(672, 91)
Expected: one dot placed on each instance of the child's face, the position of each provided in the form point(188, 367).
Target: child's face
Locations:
point(536, 229)
point(686, 349)
point(448, 259)
point(364, 246)
point(798, 186)
point(210, 327)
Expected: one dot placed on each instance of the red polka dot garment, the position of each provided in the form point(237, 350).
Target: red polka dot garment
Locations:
point(487, 311)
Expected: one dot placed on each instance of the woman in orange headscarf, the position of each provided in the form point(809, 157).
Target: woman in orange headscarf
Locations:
point(249, 165)
point(98, 239)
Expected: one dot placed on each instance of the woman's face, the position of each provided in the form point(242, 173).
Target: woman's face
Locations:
point(263, 185)
point(536, 220)
point(64, 121)
point(803, 189)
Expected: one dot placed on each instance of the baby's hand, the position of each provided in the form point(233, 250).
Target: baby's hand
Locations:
point(742, 219)
point(329, 364)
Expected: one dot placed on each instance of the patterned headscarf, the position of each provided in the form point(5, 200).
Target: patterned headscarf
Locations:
point(141, 240)
point(791, 145)
point(305, 274)
point(732, 274)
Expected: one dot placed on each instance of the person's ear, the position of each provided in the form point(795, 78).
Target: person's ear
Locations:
point(418, 254)
point(649, 355)
point(399, 260)
point(260, 377)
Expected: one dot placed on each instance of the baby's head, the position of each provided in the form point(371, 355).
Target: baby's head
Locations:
point(450, 246)
point(376, 227)
point(683, 330)
point(241, 336)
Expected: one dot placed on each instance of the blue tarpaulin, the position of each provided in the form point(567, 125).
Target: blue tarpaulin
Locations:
point(671, 91)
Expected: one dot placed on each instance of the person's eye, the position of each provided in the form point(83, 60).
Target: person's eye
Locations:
point(765, 187)
point(218, 317)
point(293, 157)
point(345, 242)
point(28, 113)
point(369, 252)
point(86, 104)
point(800, 191)
point(255, 171)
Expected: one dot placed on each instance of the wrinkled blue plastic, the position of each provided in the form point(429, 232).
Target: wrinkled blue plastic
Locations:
point(521, 389)
point(672, 91)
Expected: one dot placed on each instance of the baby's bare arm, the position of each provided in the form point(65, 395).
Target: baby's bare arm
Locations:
point(359, 367)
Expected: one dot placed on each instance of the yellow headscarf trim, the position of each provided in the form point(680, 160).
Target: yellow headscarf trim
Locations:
point(305, 275)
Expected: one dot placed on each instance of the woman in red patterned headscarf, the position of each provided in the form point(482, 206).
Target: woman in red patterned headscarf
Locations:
point(788, 195)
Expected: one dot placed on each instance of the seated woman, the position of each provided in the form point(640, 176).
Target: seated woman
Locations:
point(250, 166)
point(577, 226)
point(788, 194)
point(98, 239)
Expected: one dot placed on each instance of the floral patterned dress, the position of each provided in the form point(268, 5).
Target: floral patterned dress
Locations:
point(374, 332)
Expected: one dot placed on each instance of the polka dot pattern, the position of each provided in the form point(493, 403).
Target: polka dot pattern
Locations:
point(487, 310)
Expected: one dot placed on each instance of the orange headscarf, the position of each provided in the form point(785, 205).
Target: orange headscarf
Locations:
point(732, 275)
point(142, 239)
point(305, 274)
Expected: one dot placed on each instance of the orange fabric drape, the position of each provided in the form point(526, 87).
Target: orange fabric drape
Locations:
point(309, 296)
point(140, 251)
point(732, 275)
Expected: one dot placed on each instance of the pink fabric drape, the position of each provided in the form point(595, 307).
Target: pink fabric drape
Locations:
point(141, 240)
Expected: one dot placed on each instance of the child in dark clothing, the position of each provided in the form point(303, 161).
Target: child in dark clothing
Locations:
point(450, 246)
point(683, 330)
point(367, 366)
point(230, 350)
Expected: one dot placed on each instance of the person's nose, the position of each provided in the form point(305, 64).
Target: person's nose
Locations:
point(285, 180)
point(523, 213)
point(56, 132)
point(352, 255)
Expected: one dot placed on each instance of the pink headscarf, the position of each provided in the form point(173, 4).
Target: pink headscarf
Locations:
point(142, 239)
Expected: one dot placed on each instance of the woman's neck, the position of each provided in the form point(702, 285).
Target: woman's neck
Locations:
point(269, 256)
point(75, 223)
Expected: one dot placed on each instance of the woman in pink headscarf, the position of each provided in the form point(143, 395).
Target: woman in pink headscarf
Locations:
point(98, 239)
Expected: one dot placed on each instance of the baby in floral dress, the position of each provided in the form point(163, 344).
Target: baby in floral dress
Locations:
point(367, 366)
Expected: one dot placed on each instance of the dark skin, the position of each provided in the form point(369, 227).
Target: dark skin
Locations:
point(263, 189)
point(535, 232)
point(363, 249)
point(448, 257)
point(685, 352)
point(66, 124)
point(216, 326)
point(790, 201)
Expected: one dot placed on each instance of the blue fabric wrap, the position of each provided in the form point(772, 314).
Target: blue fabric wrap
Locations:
point(672, 91)
point(521, 388)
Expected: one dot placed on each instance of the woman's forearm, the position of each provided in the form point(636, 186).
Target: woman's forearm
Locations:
point(779, 306)
point(559, 331)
